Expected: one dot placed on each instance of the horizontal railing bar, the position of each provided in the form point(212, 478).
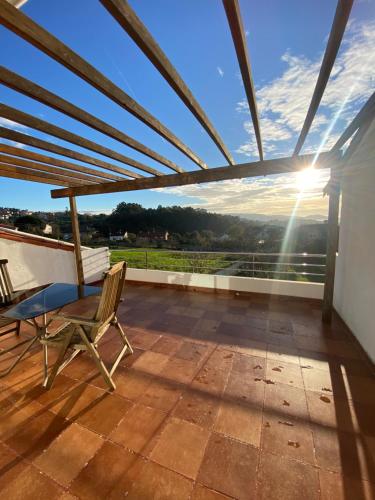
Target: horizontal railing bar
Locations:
point(318, 255)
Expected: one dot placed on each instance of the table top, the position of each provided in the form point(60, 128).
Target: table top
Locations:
point(50, 298)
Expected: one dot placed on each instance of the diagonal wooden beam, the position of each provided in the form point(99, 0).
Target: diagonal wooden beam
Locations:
point(15, 136)
point(130, 22)
point(24, 173)
point(30, 31)
point(232, 9)
point(366, 112)
point(337, 32)
point(31, 89)
point(48, 128)
point(32, 165)
point(30, 155)
point(255, 169)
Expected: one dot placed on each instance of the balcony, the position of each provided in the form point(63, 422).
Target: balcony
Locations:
point(225, 394)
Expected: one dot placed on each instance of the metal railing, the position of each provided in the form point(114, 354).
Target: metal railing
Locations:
point(287, 266)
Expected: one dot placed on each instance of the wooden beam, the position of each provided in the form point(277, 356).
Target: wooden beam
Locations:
point(332, 243)
point(366, 112)
point(14, 172)
point(30, 31)
point(76, 240)
point(232, 9)
point(49, 160)
point(337, 32)
point(130, 22)
point(31, 89)
point(255, 169)
point(15, 136)
point(48, 128)
point(32, 165)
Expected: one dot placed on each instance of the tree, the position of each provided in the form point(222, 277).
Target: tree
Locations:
point(29, 223)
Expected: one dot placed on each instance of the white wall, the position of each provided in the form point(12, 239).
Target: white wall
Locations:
point(32, 265)
point(354, 296)
point(235, 283)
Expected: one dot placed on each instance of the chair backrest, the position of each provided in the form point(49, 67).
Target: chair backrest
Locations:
point(6, 287)
point(110, 298)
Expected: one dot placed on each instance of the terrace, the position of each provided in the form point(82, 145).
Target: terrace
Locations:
point(239, 386)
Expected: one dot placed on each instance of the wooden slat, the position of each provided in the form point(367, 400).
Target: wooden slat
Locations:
point(32, 165)
point(232, 9)
point(30, 31)
point(130, 22)
point(366, 112)
point(13, 135)
point(48, 128)
point(337, 32)
point(76, 240)
point(26, 175)
point(12, 167)
point(255, 169)
point(31, 89)
point(30, 155)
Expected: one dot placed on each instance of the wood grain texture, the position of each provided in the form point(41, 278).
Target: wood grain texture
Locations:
point(31, 89)
point(22, 25)
point(255, 169)
point(24, 174)
point(232, 9)
point(76, 240)
point(130, 22)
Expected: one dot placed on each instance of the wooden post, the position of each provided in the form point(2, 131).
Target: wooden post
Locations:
point(332, 243)
point(77, 240)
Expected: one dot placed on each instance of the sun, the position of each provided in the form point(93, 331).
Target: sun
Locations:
point(307, 179)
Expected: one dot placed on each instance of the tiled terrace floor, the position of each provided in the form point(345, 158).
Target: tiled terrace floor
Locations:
point(225, 397)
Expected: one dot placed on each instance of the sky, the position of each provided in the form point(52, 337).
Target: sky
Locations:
point(286, 46)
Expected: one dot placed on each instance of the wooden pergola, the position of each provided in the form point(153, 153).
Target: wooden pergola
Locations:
point(77, 179)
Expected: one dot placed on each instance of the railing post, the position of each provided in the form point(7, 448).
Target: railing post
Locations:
point(253, 266)
point(146, 258)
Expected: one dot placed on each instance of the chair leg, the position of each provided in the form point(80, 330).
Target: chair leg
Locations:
point(18, 328)
point(123, 336)
point(99, 363)
point(48, 381)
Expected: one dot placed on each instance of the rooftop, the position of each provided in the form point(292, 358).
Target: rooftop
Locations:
point(224, 395)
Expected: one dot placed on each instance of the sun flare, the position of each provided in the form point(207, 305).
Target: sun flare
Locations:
point(307, 179)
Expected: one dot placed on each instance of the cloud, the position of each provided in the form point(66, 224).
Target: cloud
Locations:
point(220, 71)
point(283, 102)
point(276, 195)
point(4, 122)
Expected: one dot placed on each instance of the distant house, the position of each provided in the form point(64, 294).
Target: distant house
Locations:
point(47, 229)
point(118, 236)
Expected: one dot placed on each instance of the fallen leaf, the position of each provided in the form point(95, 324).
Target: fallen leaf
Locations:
point(295, 444)
point(325, 399)
point(257, 367)
point(284, 422)
point(268, 381)
point(228, 356)
point(327, 389)
point(267, 424)
point(308, 367)
point(285, 403)
point(257, 379)
point(276, 369)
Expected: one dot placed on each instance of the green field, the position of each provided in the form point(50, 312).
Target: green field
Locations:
point(172, 261)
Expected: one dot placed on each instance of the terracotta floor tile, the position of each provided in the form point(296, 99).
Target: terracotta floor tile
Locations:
point(131, 384)
point(11, 466)
point(283, 479)
point(192, 351)
point(284, 373)
point(142, 339)
point(249, 366)
point(281, 327)
point(251, 347)
point(198, 408)
point(162, 394)
point(210, 381)
point(337, 487)
point(180, 370)
point(103, 472)
point(239, 421)
point(245, 389)
point(181, 447)
point(138, 427)
point(167, 345)
point(151, 362)
point(68, 454)
point(36, 435)
point(286, 401)
point(283, 354)
point(344, 452)
point(288, 437)
point(32, 485)
point(229, 467)
point(202, 493)
point(322, 381)
point(155, 481)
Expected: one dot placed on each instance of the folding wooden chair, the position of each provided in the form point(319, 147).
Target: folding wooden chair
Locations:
point(7, 295)
point(82, 334)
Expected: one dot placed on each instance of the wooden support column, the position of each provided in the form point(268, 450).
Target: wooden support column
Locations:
point(334, 189)
point(77, 240)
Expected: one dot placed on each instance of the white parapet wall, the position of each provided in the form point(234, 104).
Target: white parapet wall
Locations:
point(233, 283)
point(36, 260)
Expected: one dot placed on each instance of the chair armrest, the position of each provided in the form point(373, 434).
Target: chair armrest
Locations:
point(76, 319)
